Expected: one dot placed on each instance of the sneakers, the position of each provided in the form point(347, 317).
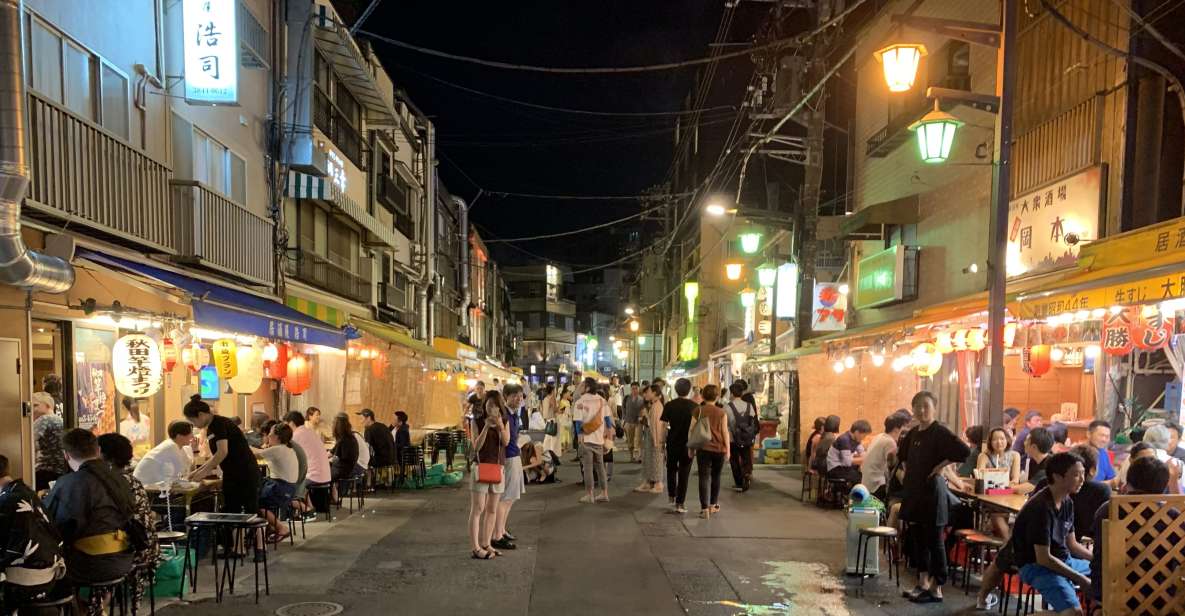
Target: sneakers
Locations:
point(588, 500)
point(680, 509)
point(604, 498)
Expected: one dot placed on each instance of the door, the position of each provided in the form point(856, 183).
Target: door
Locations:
point(15, 427)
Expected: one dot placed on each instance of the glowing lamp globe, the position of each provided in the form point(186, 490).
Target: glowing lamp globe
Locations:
point(900, 63)
point(733, 270)
point(299, 375)
point(634, 326)
point(767, 275)
point(137, 366)
point(748, 298)
point(750, 242)
point(936, 134)
point(249, 375)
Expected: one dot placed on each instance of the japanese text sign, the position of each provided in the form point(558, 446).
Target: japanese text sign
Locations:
point(829, 308)
point(880, 278)
point(136, 361)
point(211, 45)
point(1047, 226)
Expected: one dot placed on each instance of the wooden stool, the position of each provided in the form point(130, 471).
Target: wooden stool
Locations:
point(979, 547)
point(889, 535)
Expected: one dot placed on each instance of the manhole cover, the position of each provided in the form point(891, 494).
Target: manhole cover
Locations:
point(311, 608)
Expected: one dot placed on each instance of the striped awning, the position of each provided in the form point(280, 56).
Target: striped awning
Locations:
point(321, 312)
point(304, 186)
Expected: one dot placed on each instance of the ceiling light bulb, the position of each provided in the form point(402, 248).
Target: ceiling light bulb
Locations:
point(837, 367)
point(878, 360)
point(849, 362)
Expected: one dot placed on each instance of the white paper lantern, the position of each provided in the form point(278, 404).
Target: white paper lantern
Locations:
point(250, 371)
point(137, 363)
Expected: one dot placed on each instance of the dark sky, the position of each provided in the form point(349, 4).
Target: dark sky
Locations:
point(505, 147)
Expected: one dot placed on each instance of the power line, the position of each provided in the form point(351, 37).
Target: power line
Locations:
point(588, 112)
point(573, 232)
point(640, 197)
point(618, 136)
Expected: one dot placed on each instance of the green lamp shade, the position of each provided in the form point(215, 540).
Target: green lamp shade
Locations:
point(766, 275)
point(748, 298)
point(750, 242)
point(936, 134)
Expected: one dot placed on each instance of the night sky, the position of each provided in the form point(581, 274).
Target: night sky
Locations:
point(507, 147)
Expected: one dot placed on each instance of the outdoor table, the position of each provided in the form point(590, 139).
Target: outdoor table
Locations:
point(225, 526)
point(187, 494)
point(1005, 503)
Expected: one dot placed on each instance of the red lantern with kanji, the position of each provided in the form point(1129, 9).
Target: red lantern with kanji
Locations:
point(1036, 360)
point(378, 364)
point(194, 357)
point(1117, 332)
point(168, 353)
point(1152, 332)
point(277, 368)
point(299, 375)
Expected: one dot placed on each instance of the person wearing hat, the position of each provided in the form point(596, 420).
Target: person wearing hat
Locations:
point(378, 436)
point(1033, 420)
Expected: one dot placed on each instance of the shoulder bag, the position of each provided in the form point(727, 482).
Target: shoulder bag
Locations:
point(594, 424)
point(487, 472)
point(700, 433)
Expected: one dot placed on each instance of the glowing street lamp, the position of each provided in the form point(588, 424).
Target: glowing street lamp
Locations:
point(629, 310)
point(634, 325)
point(900, 63)
point(715, 209)
point(748, 298)
point(936, 134)
point(733, 270)
point(767, 275)
point(750, 242)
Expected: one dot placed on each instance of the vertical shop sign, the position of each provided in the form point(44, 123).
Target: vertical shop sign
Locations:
point(137, 363)
point(211, 46)
point(830, 308)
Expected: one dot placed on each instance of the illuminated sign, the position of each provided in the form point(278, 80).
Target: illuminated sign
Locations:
point(829, 308)
point(787, 290)
point(1047, 226)
point(208, 383)
point(887, 277)
point(691, 292)
point(337, 170)
point(211, 46)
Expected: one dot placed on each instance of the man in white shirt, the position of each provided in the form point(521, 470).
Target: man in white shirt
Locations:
point(171, 459)
point(312, 445)
point(616, 397)
point(878, 461)
point(593, 410)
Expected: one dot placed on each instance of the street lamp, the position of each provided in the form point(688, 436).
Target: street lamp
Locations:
point(936, 134)
point(767, 274)
point(900, 62)
point(634, 325)
point(750, 242)
point(733, 270)
point(748, 298)
point(629, 310)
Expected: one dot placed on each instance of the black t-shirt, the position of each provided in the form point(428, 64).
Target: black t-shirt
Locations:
point(379, 437)
point(1041, 523)
point(239, 462)
point(1037, 473)
point(923, 450)
point(1094, 494)
point(677, 414)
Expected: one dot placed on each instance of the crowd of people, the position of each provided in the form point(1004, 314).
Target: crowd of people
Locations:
point(916, 465)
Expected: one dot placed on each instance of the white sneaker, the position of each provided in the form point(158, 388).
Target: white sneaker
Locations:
point(586, 499)
point(680, 509)
point(604, 498)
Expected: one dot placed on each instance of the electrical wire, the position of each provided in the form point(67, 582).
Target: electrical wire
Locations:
point(574, 231)
point(641, 197)
point(623, 136)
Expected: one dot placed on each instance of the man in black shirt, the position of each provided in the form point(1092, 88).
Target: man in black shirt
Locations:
point(926, 450)
point(231, 453)
point(1049, 556)
point(379, 437)
point(677, 415)
point(1091, 496)
point(1038, 445)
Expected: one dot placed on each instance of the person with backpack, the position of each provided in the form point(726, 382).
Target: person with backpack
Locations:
point(709, 439)
point(742, 427)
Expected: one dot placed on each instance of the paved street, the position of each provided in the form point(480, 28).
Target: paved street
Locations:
point(765, 553)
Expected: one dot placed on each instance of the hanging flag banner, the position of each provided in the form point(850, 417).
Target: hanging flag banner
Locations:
point(829, 308)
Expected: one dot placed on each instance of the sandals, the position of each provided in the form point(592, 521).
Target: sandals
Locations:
point(477, 555)
point(492, 550)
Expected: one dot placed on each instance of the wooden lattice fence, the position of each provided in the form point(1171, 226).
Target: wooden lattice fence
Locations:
point(1143, 554)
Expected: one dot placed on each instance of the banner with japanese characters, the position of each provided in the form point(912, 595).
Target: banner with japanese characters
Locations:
point(829, 307)
point(1047, 226)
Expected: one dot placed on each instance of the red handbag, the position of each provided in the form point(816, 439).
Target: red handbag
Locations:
point(488, 472)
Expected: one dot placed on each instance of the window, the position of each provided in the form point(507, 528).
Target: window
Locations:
point(70, 75)
point(533, 320)
point(220, 169)
point(340, 243)
point(307, 221)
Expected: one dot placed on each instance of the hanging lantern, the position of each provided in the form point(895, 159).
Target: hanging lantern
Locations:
point(298, 379)
point(750, 242)
point(1153, 330)
point(936, 134)
point(1037, 359)
point(748, 298)
point(168, 353)
point(378, 365)
point(975, 341)
point(224, 352)
point(733, 270)
point(943, 343)
point(1009, 335)
point(194, 357)
point(1117, 332)
point(926, 360)
point(960, 340)
point(278, 367)
point(767, 275)
point(137, 365)
point(900, 63)
point(208, 384)
point(271, 352)
point(250, 370)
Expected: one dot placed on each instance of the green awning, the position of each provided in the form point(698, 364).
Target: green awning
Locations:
point(799, 352)
point(394, 336)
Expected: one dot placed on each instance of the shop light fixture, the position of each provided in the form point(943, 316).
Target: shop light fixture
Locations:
point(936, 135)
point(629, 311)
point(750, 242)
point(838, 367)
point(849, 362)
point(123, 322)
point(1057, 354)
point(1116, 309)
point(202, 333)
point(748, 298)
point(1098, 313)
point(733, 270)
point(844, 289)
point(878, 360)
point(1082, 315)
point(635, 326)
point(767, 275)
point(1092, 351)
point(1172, 306)
point(900, 63)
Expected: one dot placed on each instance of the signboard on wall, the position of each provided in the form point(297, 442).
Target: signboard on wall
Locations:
point(829, 307)
point(210, 40)
point(887, 277)
point(787, 290)
point(1047, 226)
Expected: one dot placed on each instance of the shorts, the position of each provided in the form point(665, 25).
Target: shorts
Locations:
point(512, 479)
point(486, 488)
point(276, 494)
point(1055, 589)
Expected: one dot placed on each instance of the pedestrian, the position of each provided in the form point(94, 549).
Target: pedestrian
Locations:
point(742, 427)
point(616, 399)
point(1048, 554)
point(676, 414)
point(632, 410)
point(512, 469)
point(569, 432)
point(610, 434)
point(874, 472)
point(823, 445)
point(710, 454)
point(491, 435)
point(595, 417)
point(49, 463)
point(925, 451)
point(652, 439)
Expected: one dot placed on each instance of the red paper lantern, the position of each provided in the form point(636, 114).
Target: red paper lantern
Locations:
point(194, 357)
point(1037, 361)
point(378, 364)
point(1152, 332)
point(299, 375)
point(168, 353)
point(278, 367)
point(1117, 333)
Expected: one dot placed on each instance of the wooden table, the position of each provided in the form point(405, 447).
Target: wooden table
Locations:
point(187, 495)
point(1006, 503)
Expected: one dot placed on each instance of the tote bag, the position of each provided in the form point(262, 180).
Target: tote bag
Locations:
point(700, 433)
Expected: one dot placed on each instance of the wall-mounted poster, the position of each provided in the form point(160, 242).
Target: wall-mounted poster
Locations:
point(94, 381)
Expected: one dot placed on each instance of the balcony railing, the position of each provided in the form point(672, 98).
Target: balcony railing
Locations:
point(330, 121)
point(215, 232)
point(321, 272)
point(392, 297)
point(393, 197)
point(85, 175)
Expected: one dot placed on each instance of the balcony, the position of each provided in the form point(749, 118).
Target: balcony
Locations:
point(83, 175)
point(896, 131)
point(334, 124)
point(323, 273)
point(393, 197)
point(392, 297)
point(214, 232)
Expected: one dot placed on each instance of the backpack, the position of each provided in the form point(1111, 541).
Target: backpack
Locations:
point(746, 426)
